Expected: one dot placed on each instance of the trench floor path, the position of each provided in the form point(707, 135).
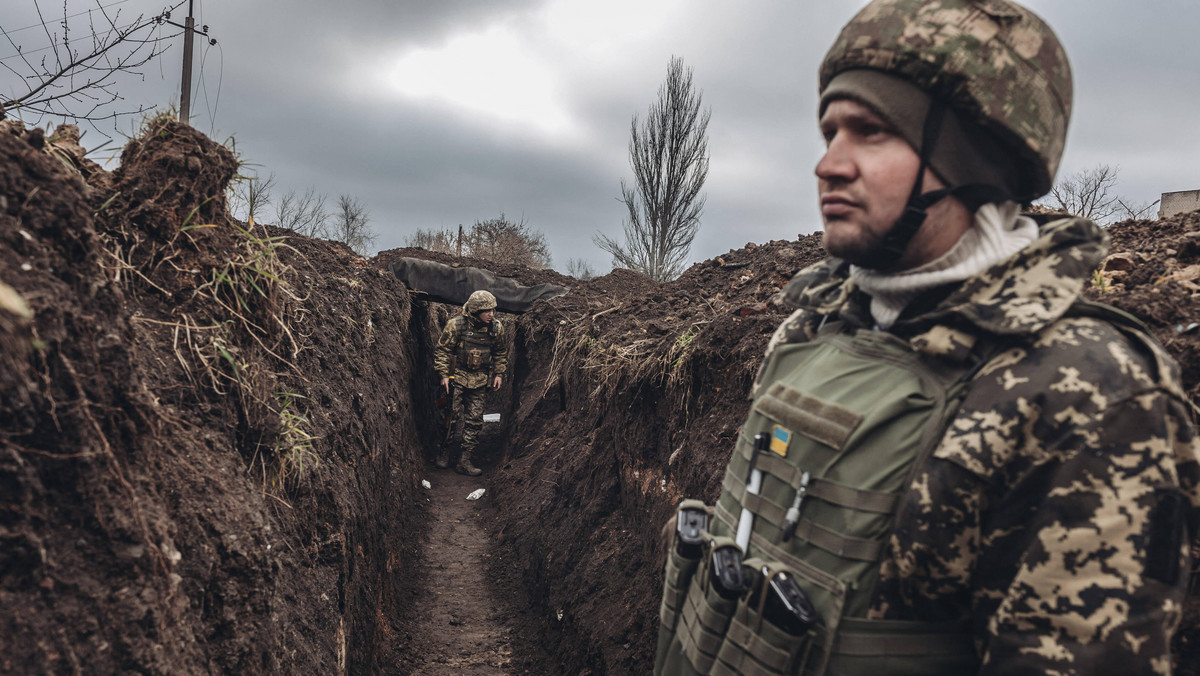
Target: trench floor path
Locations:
point(461, 624)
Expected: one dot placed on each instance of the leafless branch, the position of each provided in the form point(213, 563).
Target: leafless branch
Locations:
point(1134, 210)
point(249, 196)
point(496, 239)
point(76, 83)
point(1087, 193)
point(669, 156)
point(580, 269)
point(350, 225)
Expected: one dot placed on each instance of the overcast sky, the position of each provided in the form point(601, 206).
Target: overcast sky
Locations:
point(435, 113)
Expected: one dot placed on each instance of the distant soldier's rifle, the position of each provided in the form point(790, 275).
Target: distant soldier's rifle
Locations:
point(445, 402)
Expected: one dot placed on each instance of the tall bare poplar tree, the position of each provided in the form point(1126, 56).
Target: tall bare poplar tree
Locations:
point(668, 152)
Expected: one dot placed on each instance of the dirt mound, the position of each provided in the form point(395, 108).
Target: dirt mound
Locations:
point(1154, 274)
point(201, 426)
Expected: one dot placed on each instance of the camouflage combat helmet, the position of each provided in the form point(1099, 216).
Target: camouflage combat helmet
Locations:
point(992, 61)
point(479, 301)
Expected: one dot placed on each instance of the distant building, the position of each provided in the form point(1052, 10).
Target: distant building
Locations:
point(1178, 202)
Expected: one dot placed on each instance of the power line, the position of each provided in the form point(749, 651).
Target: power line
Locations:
point(212, 112)
point(82, 37)
point(72, 16)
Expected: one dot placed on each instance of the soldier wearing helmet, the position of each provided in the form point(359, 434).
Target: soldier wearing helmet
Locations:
point(953, 463)
point(474, 343)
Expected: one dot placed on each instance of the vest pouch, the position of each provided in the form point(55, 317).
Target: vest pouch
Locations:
point(705, 615)
point(764, 637)
point(475, 358)
point(899, 648)
point(475, 350)
point(680, 570)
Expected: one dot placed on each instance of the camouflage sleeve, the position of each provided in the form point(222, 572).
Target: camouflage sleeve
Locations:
point(446, 345)
point(500, 350)
point(1067, 509)
point(1087, 574)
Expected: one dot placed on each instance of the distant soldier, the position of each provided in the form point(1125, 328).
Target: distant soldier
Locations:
point(953, 463)
point(471, 352)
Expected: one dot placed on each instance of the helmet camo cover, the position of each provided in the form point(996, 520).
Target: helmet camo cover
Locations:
point(479, 301)
point(994, 61)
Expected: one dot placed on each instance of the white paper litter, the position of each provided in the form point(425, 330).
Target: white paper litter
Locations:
point(491, 417)
point(425, 483)
point(476, 494)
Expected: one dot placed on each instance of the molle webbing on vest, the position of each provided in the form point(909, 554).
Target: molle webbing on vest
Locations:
point(475, 347)
point(748, 642)
point(829, 540)
point(824, 489)
point(861, 411)
point(829, 424)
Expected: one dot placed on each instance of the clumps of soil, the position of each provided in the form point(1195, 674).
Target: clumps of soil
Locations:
point(201, 425)
point(1153, 273)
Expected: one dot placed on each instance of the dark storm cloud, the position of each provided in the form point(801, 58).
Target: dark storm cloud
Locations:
point(303, 93)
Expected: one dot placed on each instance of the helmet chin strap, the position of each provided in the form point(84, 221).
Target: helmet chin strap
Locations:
point(896, 241)
point(893, 245)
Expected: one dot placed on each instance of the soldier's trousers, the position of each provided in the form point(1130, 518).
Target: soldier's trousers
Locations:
point(468, 407)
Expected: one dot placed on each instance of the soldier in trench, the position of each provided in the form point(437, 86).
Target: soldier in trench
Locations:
point(471, 355)
point(953, 464)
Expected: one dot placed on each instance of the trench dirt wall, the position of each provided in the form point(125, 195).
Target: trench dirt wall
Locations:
point(207, 447)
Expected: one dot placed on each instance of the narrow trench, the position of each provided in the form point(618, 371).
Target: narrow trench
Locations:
point(460, 627)
point(464, 619)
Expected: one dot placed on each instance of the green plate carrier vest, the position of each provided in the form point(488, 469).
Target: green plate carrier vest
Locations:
point(852, 452)
point(475, 347)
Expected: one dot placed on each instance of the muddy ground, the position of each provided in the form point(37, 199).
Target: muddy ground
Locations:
point(213, 434)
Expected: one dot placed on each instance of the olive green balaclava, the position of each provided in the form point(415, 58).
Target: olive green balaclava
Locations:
point(964, 153)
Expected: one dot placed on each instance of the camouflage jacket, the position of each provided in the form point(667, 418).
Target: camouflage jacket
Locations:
point(450, 344)
point(1053, 513)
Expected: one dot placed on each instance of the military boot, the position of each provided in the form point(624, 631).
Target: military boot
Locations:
point(443, 458)
point(465, 467)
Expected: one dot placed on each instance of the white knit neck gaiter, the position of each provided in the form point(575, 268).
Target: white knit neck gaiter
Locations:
point(999, 231)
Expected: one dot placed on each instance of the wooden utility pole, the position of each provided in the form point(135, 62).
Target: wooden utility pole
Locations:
point(185, 96)
point(460, 241)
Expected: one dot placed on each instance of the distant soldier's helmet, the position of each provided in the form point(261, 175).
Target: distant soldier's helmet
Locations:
point(992, 62)
point(479, 301)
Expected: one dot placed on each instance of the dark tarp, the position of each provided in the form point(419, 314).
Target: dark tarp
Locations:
point(449, 284)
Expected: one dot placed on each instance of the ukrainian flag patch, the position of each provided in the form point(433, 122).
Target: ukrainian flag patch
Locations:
point(780, 438)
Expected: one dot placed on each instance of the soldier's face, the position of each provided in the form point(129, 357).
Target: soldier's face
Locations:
point(486, 316)
point(864, 180)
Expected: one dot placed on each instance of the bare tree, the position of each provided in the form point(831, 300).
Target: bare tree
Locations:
point(350, 225)
point(76, 77)
point(444, 241)
point(499, 239)
point(305, 214)
point(580, 269)
point(669, 156)
point(249, 196)
point(1088, 194)
point(496, 239)
point(1135, 210)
